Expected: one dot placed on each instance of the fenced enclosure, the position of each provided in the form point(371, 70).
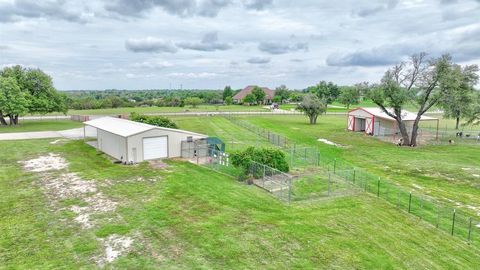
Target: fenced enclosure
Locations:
point(332, 176)
point(299, 185)
point(201, 153)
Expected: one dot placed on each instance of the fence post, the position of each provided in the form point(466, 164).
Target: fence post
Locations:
point(305, 154)
point(354, 173)
point(453, 221)
point(263, 178)
point(289, 189)
point(469, 229)
point(334, 165)
point(318, 158)
point(291, 156)
point(329, 179)
point(409, 202)
point(378, 188)
point(365, 187)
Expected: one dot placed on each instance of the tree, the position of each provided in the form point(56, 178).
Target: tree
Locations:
point(282, 93)
point(155, 120)
point(228, 100)
point(362, 89)
point(227, 92)
point(312, 107)
point(327, 92)
point(458, 99)
point(193, 101)
point(272, 157)
point(249, 99)
point(416, 81)
point(349, 96)
point(259, 94)
point(295, 96)
point(13, 101)
point(473, 115)
point(37, 88)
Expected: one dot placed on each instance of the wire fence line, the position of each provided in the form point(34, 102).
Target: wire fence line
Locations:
point(334, 174)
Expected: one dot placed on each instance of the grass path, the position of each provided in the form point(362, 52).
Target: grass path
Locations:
point(195, 218)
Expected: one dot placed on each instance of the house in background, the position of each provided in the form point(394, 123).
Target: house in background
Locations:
point(269, 93)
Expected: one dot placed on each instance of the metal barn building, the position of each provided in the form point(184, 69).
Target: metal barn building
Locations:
point(375, 122)
point(130, 141)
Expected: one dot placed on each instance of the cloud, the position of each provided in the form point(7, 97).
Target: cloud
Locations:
point(193, 75)
point(152, 64)
point(258, 60)
point(388, 5)
point(208, 43)
point(13, 11)
point(150, 44)
point(279, 48)
point(380, 56)
point(257, 4)
point(182, 8)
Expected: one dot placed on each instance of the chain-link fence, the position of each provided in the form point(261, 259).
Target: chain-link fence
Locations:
point(333, 176)
point(200, 153)
point(273, 138)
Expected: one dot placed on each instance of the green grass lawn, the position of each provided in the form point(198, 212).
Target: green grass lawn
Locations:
point(200, 108)
point(446, 172)
point(195, 218)
point(41, 125)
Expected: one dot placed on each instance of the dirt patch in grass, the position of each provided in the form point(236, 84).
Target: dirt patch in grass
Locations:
point(50, 162)
point(87, 199)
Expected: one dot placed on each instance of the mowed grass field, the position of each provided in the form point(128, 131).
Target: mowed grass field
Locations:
point(194, 218)
point(449, 173)
point(200, 108)
point(41, 125)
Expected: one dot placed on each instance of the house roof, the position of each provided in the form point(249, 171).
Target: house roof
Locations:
point(269, 93)
point(126, 128)
point(406, 115)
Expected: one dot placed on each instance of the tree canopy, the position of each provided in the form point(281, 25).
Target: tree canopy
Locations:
point(259, 94)
point(349, 96)
point(34, 86)
point(327, 92)
point(227, 92)
point(312, 107)
point(282, 94)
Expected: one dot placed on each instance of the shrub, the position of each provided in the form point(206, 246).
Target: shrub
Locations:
point(271, 157)
point(160, 121)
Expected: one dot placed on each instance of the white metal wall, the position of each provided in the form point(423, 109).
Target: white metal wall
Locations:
point(111, 144)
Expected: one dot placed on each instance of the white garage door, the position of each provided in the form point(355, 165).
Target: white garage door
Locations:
point(154, 148)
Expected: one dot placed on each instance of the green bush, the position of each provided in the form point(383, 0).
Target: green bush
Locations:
point(271, 157)
point(160, 121)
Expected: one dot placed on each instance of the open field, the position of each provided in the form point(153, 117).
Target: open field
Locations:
point(41, 125)
point(185, 216)
point(200, 108)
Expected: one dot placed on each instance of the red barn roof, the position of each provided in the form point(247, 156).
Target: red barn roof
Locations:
point(269, 93)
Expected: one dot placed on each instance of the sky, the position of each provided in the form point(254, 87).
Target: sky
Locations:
point(207, 44)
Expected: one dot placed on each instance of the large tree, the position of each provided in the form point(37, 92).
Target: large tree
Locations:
point(327, 92)
point(37, 88)
point(259, 94)
point(416, 81)
point(349, 95)
point(13, 101)
point(458, 100)
point(473, 115)
point(312, 107)
point(282, 93)
point(227, 92)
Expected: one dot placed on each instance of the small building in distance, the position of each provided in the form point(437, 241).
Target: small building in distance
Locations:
point(269, 93)
point(133, 142)
point(375, 122)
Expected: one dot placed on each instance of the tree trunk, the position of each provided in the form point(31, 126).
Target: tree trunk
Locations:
point(403, 132)
point(16, 119)
point(2, 120)
point(457, 122)
point(413, 141)
point(11, 120)
point(313, 119)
